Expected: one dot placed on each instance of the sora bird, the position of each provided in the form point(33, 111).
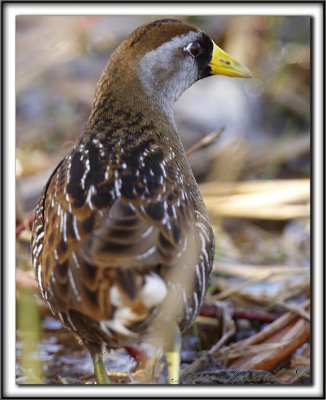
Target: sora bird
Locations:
point(122, 245)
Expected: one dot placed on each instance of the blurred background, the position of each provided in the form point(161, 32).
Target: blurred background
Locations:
point(255, 177)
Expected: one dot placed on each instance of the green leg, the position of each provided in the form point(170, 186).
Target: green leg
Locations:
point(173, 357)
point(99, 369)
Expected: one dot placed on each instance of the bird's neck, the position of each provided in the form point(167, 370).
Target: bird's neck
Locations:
point(123, 94)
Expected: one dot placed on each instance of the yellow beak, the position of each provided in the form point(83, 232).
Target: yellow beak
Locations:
point(222, 64)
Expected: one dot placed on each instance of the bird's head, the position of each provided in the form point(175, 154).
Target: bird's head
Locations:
point(168, 56)
point(157, 63)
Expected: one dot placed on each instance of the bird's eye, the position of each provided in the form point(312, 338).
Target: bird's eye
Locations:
point(194, 49)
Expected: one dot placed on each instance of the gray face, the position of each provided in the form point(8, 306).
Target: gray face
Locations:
point(169, 70)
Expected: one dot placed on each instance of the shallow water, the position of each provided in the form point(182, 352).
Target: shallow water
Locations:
point(63, 359)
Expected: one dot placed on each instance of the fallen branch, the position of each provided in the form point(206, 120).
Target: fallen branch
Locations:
point(280, 213)
point(264, 351)
point(276, 200)
point(27, 224)
point(248, 271)
point(296, 309)
point(237, 289)
point(204, 142)
point(212, 311)
point(271, 346)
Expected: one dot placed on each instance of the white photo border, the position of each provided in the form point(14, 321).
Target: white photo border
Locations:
point(10, 11)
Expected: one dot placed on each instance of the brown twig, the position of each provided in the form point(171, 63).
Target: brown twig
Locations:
point(277, 325)
point(239, 313)
point(204, 142)
point(237, 289)
point(278, 347)
point(296, 309)
point(263, 350)
point(27, 224)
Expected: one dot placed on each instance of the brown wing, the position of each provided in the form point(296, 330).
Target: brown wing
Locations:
point(114, 232)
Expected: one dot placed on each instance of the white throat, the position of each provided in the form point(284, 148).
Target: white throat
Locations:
point(165, 73)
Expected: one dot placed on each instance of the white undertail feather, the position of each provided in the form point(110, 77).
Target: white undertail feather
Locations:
point(152, 294)
point(154, 290)
point(121, 317)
